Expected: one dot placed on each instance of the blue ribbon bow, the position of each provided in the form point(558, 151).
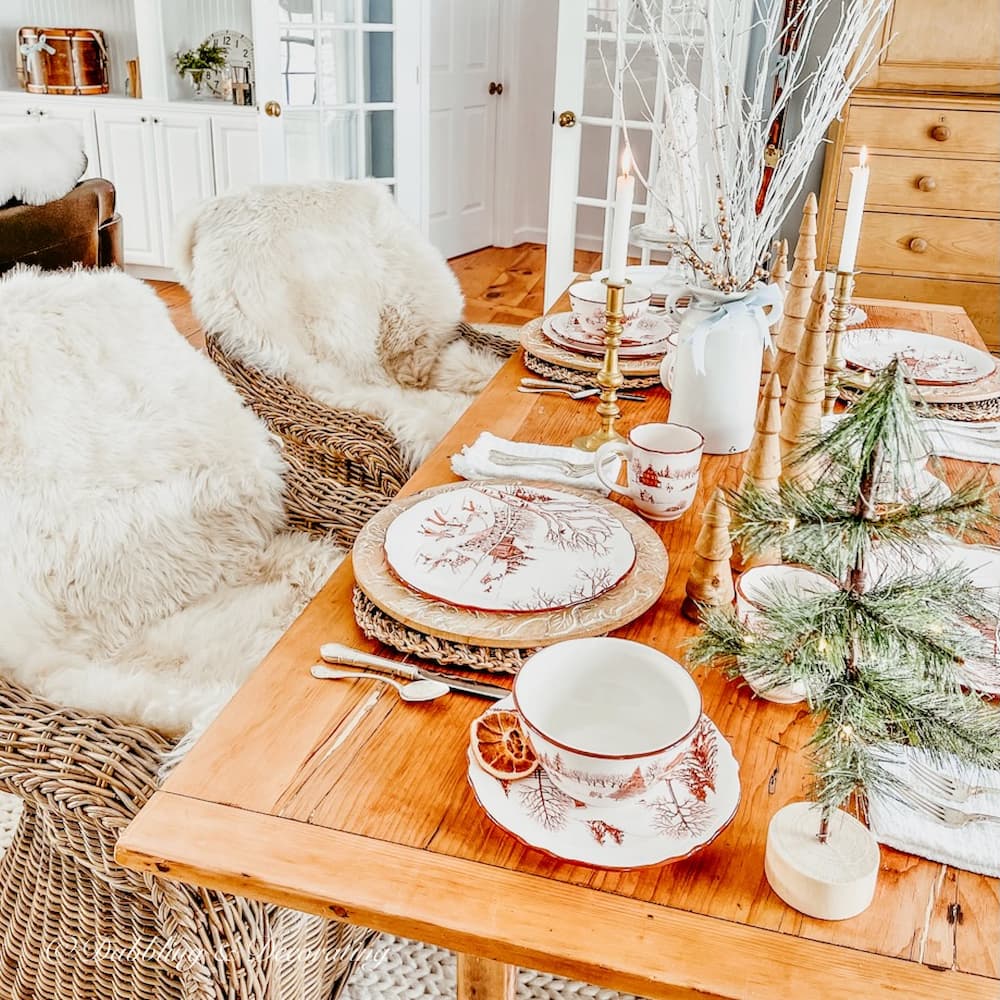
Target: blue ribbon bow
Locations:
point(752, 305)
point(39, 45)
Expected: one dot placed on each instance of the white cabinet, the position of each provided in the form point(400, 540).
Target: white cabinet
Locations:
point(183, 149)
point(129, 162)
point(160, 163)
point(236, 153)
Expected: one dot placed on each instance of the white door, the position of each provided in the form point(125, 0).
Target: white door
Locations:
point(128, 160)
point(339, 94)
point(183, 148)
point(463, 123)
point(235, 152)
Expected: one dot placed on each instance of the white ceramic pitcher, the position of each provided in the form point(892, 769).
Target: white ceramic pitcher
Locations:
point(714, 375)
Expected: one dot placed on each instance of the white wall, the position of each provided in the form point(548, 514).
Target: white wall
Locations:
point(187, 23)
point(116, 18)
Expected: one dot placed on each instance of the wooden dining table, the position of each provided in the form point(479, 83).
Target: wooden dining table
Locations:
point(341, 800)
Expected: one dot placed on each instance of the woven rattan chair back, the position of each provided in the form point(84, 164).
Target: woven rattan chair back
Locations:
point(78, 926)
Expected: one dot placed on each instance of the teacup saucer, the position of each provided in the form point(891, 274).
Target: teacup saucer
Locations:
point(669, 823)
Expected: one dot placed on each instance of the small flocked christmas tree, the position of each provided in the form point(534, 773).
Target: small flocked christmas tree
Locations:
point(881, 657)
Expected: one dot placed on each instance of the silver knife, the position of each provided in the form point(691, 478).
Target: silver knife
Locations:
point(335, 652)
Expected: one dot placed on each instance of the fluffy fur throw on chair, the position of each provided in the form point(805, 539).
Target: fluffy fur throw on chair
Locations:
point(39, 161)
point(142, 573)
point(331, 287)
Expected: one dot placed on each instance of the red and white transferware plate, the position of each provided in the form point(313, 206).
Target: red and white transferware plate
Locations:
point(645, 338)
point(509, 547)
point(931, 360)
point(680, 814)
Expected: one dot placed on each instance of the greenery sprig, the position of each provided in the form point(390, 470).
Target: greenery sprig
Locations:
point(206, 56)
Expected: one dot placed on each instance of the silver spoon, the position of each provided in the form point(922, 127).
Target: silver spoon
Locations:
point(423, 690)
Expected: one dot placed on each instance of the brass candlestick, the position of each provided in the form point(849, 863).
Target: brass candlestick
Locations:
point(609, 378)
point(843, 289)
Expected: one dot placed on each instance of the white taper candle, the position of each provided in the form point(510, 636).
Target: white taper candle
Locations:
point(622, 224)
point(855, 213)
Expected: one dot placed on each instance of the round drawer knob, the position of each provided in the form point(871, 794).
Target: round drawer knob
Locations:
point(941, 133)
point(918, 244)
point(926, 183)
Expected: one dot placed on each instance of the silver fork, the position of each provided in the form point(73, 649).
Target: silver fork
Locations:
point(578, 393)
point(938, 811)
point(952, 789)
point(571, 469)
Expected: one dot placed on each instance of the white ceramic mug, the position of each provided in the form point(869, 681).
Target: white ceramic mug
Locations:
point(662, 462)
point(589, 300)
point(760, 587)
point(606, 717)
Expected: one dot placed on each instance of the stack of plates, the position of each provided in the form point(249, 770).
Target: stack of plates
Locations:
point(509, 564)
point(646, 337)
point(930, 360)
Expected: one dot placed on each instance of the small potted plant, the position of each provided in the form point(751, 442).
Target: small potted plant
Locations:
point(195, 63)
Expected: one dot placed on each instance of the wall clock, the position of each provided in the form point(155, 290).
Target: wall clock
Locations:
point(239, 55)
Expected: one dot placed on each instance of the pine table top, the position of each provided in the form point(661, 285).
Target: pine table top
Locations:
point(340, 800)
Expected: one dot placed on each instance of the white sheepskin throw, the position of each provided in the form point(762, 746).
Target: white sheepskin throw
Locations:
point(331, 287)
point(39, 161)
point(141, 573)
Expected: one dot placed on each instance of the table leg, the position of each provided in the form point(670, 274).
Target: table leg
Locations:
point(485, 979)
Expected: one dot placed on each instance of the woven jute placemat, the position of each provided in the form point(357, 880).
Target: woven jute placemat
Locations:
point(376, 624)
point(586, 380)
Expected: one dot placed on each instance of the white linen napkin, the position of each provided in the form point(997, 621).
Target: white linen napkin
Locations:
point(974, 847)
point(972, 442)
point(474, 462)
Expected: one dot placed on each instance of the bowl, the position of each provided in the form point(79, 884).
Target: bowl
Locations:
point(756, 589)
point(606, 717)
point(588, 300)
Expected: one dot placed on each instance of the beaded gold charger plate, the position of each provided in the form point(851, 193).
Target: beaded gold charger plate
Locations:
point(636, 593)
point(537, 346)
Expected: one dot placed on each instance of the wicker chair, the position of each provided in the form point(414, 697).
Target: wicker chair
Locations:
point(77, 926)
point(344, 466)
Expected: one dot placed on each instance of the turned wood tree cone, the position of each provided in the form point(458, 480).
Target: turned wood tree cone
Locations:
point(797, 292)
point(762, 465)
point(807, 386)
point(779, 274)
point(779, 263)
point(711, 579)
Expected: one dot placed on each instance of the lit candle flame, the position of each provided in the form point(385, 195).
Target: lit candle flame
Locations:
point(626, 162)
point(863, 157)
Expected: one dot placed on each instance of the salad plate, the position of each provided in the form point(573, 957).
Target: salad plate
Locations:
point(509, 547)
point(679, 814)
point(931, 360)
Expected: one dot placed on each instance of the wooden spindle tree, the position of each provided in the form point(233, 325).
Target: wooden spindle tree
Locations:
point(798, 292)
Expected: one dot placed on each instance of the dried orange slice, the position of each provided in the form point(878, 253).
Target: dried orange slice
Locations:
point(500, 746)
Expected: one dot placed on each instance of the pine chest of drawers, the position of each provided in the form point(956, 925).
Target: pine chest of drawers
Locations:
point(931, 122)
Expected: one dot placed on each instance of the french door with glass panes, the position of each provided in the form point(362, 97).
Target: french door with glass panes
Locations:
point(339, 95)
point(588, 130)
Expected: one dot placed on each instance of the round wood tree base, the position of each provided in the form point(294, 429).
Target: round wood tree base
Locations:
point(832, 880)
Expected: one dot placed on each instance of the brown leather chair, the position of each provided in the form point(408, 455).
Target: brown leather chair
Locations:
point(80, 228)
